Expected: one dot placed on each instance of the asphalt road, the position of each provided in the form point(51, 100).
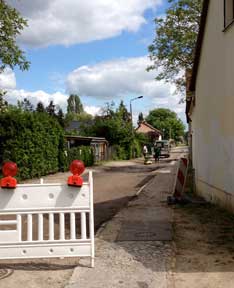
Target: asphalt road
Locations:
point(116, 183)
point(114, 187)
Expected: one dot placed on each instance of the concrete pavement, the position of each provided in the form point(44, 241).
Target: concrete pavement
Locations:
point(134, 249)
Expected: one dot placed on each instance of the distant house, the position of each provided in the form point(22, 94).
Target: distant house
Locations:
point(98, 144)
point(147, 129)
point(210, 104)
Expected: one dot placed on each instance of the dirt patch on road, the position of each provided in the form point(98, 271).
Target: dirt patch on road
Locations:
point(204, 247)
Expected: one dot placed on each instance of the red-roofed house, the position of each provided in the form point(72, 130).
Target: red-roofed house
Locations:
point(146, 128)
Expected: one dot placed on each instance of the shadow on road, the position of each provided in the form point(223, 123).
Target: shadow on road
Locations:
point(35, 266)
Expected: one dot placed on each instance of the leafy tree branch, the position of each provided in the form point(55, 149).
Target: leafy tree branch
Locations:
point(175, 38)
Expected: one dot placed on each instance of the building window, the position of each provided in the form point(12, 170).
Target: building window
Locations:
point(228, 12)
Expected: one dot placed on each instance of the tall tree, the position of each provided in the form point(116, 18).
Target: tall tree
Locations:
point(140, 118)
point(25, 105)
point(40, 107)
point(175, 39)
point(167, 122)
point(74, 104)
point(114, 126)
point(108, 111)
point(51, 108)
point(11, 25)
point(75, 111)
point(3, 103)
point(123, 112)
point(60, 117)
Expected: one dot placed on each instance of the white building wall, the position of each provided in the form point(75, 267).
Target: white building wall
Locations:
point(213, 115)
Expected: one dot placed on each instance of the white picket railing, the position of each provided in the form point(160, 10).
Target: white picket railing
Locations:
point(47, 220)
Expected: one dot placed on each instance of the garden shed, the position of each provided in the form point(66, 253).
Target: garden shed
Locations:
point(98, 144)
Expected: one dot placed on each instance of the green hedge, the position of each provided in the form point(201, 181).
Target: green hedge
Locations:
point(128, 151)
point(137, 148)
point(84, 153)
point(35, 141)
point(120, 153)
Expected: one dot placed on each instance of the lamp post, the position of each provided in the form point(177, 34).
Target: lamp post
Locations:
point(139, 97)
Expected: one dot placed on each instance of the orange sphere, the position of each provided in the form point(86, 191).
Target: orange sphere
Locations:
point(9, 169)
point(77, 167)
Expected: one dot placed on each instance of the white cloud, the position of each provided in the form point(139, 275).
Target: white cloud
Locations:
point(68, 22)
point(93, 110)
point(7, 79)
point(34, 97)
point(106, 81)
point(8, 83)
point(114, 79)
point(124, 78)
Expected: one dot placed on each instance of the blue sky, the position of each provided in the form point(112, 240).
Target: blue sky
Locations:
point(97, 49)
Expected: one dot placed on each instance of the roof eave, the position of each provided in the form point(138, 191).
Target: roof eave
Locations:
point(199, 44)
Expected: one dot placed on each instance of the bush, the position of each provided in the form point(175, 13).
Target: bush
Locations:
point(83, 153)
point(137, 146)
point(127, 151)
point(35, 141)
point(121, 153)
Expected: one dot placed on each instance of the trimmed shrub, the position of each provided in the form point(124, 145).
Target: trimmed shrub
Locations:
point(137, 146)
point(35, 141)
point(83, 153)
point(120, 153)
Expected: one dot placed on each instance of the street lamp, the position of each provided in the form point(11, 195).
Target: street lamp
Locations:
point(139, 97)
